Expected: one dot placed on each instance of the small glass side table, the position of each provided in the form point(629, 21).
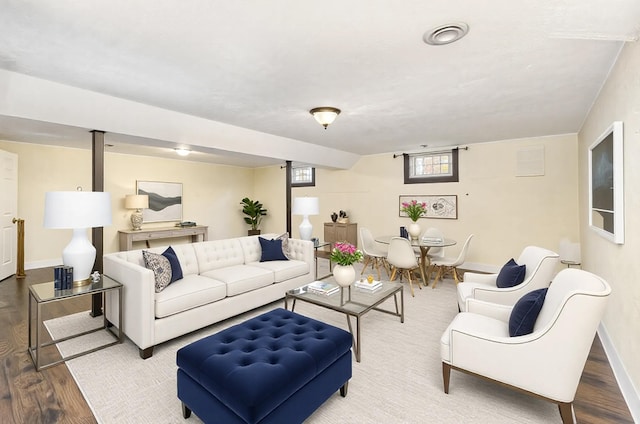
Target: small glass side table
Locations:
point(45, 293)
point(321, 252)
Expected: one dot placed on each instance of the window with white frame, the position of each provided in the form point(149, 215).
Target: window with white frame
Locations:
point(431, 167)
point(303, 176)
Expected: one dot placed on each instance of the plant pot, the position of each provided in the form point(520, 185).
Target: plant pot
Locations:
point(253, 232)
point(414, 230)
point(345, 275)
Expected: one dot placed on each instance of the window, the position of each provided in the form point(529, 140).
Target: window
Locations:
point(303, 177)
point(435, 167)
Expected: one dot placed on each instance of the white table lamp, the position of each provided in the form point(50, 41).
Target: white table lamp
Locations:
point(78, 210)
point(137, 202)
point(305, 206)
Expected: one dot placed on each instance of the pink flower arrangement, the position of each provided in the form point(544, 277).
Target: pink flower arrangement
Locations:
point(345, 254)
point(414, 209)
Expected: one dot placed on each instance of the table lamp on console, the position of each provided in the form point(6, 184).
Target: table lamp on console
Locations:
point(137, 202)
point(79, 211)
point(305, 206)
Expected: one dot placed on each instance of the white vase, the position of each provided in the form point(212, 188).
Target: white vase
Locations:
point(345, 275)
point(414, 230)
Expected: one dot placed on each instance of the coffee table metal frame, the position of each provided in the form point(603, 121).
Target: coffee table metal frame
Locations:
point(45, 293)
point(353, 302)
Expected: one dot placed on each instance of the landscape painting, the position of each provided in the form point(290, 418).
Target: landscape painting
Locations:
point(165, 201)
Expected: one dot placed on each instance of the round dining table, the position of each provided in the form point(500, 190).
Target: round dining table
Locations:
point(424, 244)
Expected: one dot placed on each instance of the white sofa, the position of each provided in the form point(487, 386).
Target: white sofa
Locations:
point(221, 278)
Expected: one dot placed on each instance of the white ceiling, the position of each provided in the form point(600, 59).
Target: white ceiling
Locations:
point(526, 68)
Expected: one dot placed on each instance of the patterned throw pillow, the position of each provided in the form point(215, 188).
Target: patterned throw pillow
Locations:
point(161, 269)
point(285, 244)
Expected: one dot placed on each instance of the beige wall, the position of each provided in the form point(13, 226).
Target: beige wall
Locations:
point(211, 193)
point(619, 100)
point(505, 212)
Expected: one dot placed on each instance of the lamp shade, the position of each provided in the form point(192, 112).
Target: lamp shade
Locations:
point(77, 209)
point(136, 201)
point(305, 206)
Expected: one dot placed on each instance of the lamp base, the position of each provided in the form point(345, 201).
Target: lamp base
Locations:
point(136, 220)
point(305, 229)
point(82, 283)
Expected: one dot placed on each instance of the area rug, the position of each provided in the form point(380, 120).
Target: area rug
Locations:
point(398, 381)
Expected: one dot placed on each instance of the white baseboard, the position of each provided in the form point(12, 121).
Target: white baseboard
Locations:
point(42, 264)
point(629, 392)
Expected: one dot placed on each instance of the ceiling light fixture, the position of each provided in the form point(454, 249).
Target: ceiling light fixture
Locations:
point(325, 115)
point(183, 152)
point(445, 34)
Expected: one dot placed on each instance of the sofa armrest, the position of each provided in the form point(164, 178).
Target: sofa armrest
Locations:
point(302, 250)
point(138, 299)
point(487, 279)
point(488, 309)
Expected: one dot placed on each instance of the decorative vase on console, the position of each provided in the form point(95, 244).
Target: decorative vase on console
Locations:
point(414, 210)
point(345, 255)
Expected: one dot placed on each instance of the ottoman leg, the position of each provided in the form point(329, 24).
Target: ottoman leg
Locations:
point(343, 389)
point(186, 412)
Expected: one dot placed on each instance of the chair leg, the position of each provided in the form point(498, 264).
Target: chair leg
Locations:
point(566, 412)
point(438, 275)
point(393, 274)
point(366, 262)
point(410, 282)
point(376, 263)
point(446, 376)
point(455, 275)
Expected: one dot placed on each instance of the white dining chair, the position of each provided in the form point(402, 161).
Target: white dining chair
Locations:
point(373, 255)
point(445, 265)
point(401, 257)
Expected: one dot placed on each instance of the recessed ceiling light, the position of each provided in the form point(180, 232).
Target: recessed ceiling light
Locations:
point(445, 34)
point(183, 152)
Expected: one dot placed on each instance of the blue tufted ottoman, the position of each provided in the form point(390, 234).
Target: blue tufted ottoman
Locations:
point(278, 367)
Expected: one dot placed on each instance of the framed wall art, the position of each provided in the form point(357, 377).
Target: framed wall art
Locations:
point(606, 188)
point(445, 206)
point(165, 201)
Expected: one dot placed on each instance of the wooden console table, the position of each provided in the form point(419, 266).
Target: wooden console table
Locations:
point(127, 237)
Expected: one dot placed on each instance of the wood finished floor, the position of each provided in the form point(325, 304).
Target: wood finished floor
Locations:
point(51, 396)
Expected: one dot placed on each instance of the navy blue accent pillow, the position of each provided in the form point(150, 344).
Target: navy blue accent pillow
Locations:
point(525, 312)
point(176, 269)
point(271, 250)
point(511, 274)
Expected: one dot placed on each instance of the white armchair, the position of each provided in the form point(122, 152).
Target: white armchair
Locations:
point(540, 264)
point(547, 362)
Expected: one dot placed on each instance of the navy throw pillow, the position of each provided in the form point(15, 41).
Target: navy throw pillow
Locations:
point(271, 250)
point(176, 269)
point(525, 312)
point(511, 274)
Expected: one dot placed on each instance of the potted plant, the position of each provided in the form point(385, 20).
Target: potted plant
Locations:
point(254, 211)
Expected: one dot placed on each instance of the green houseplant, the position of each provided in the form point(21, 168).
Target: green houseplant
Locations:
point(254, 211)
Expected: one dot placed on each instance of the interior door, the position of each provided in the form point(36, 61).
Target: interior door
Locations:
point(8, 211)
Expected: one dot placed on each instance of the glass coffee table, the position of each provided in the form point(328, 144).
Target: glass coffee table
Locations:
point(353, 302)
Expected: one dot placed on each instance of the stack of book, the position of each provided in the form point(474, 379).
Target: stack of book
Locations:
point(431, 240)
point(365, 285)
point(322, 288)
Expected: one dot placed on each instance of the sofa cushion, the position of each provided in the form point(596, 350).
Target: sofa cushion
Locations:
point(284, 270)
point(161, 268)
point(241, 278)
point(525, 312)
point(216, 254)
point(285, 244)
point(190, 292)
point(511, 274)
point(176, 269)
point(271, 250)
